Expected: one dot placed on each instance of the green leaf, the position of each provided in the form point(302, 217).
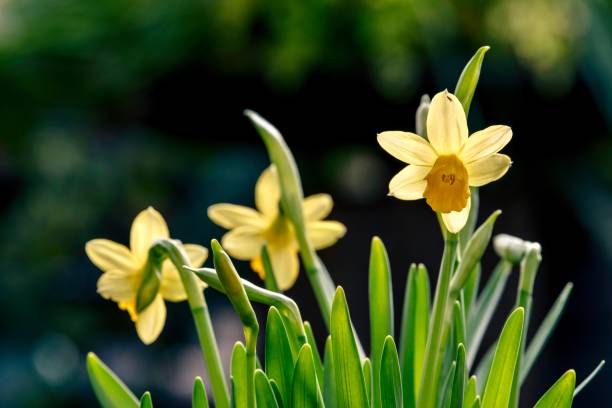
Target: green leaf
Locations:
point(499, 383)
point(485, 307)
point(109, 389)
point(264, 395)
point(199, 399)
point(447, 387)
point(470, 393)
point(459, 325)
point(381, 308)
point(459, 379)
point(238, 372)
point(466, 86)
point(484, 367)
point(269, 277)
point(587, 380)
point(145, 400)
point(561, 394)
point(277, 393)
point(350, 386)
point(367, 376)
point(390, 377)
point(544, 331)
point(470, 291)
point(279, 358)
point(415, 323)
point(476, 403)
point(329, 376)
point(315, 352)
point(306, 392)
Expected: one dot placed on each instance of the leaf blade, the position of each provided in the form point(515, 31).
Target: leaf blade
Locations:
point(108, 387)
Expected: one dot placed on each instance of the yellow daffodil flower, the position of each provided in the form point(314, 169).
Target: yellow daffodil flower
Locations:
point(250, 229)
point(443, 169)
point(123, 269)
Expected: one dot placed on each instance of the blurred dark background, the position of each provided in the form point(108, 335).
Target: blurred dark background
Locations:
point(110, 106)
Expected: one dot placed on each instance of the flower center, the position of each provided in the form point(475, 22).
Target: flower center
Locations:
point(447, 185)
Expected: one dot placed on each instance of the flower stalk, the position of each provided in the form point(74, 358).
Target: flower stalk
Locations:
point(433, 358)
point(201, 318)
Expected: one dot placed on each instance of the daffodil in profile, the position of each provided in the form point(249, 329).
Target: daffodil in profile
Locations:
point(251, 228)
point(442, 169)
point(123, 269)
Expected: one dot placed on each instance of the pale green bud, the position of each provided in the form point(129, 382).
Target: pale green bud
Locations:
point(510, 248)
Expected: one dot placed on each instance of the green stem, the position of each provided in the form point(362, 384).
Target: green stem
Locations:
point(250, 336)
point(319, 278)
point(203, 323)
point(438, 321)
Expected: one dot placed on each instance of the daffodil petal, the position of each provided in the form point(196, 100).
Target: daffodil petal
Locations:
point(409, 183)
point(285, 266)
point(456, 220)
point(446, 124)
point(267, 192)
point(151, 321)
point(243, 243)
point(171, 287)
point(489, 169)
point(147, 227)
point(231, 216)
point(486, 142)
point(323, 234)
point(108, 255)
point(197, 254)
point(317, 207)
point(407, 147)
point(117, 285)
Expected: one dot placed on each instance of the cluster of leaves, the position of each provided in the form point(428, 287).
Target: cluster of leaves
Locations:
point(434, 365)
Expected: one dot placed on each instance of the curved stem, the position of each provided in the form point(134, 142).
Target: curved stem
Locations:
point(438, 321)
point(203, 323)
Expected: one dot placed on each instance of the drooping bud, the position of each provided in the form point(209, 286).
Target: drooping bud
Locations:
point(510, 248)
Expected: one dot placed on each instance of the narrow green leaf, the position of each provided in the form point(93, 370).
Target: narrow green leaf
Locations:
point(459, 380)
point(350, 386)
point(390, 377)
point(199, 399)
point(415, 323)
point(269, 277)
point(545, 330)
point(315, 352)
point(264, 395)
point(470, 393)
point(238, 372)
point(499, 383)
point(470, 291)
point(306, 392)
point(459, 325)
point(381, 307)
point(145, 400)
point(477, 403)
point(447, 386)
point(466, 86)
point(279, 358)
point(109, 389)
point(367, 376)
point(484, 367)
point(277, 393)
point(485, 307)
point(561, 394)
point(587, 380)
point(329, 376)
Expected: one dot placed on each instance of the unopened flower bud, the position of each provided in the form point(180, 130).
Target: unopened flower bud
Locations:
point(421, 116)
point(510, 248)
